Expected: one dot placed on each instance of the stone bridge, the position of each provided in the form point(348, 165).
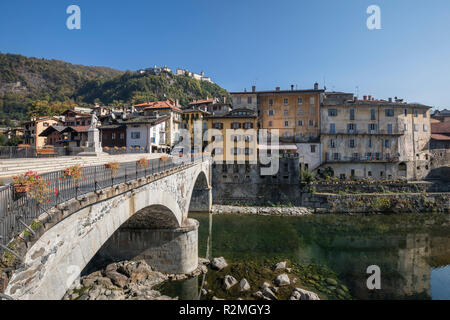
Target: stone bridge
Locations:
point(145, 218)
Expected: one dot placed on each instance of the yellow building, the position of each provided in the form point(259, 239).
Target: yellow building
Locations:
point(234, 136)
point(194, 120)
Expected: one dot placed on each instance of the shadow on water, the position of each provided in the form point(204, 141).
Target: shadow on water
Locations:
point(412, 251)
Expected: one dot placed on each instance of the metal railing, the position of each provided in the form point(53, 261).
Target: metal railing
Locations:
point(33, 152)
point(380, 157)
point(17, 211)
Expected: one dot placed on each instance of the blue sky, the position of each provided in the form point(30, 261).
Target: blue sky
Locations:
point(250, 42)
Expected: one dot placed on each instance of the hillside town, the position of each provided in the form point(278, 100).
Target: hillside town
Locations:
point(356, 137)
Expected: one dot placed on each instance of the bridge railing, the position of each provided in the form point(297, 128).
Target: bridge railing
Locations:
point(18, 210)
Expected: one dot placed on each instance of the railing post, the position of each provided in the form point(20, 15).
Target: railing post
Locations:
point(95, 179)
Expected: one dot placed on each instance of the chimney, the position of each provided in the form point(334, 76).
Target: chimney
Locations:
point(316, 86)
point(390, 99)
point(370, 97)
point(292, 87)
point(253, 88)
point(277, 89)
point(365, 98)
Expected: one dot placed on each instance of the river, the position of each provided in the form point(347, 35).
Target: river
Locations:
point(411, 250)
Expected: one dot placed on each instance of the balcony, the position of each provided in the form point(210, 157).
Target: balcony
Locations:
point(384, 132)
point(374, 158)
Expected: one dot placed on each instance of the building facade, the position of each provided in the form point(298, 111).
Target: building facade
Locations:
point(375, 139)
point(237, 136)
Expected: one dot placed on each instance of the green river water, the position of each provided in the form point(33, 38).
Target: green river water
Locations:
point(412, 251)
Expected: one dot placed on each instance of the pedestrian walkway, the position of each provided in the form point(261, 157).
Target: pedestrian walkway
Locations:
point(13, 167)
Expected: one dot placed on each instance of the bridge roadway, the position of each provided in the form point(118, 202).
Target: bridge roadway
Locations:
point(140, 216)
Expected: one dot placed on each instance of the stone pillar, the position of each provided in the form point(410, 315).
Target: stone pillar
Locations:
point(201, 200)
point(166, 250)
point(94, 147)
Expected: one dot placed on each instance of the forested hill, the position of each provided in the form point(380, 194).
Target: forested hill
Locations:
point(45, 87)
point(133, 88)
point(24, 80)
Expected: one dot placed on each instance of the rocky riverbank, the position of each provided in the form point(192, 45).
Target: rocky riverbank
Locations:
point(125, 280)
point(279, 211)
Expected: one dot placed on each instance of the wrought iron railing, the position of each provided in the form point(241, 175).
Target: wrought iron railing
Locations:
point(17, 211)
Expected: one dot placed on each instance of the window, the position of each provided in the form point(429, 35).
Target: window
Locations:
point(286, 113)
point(425, 128)
point(389, 128)
point(332, 143)
point(249, 100)
point(135, 135)
point(416, 127)
point(352, 114)
point(332, 112)
point(336, 156)
point(406, 127)
point(270, 123)
point(122, 136)
point(372, 114)
point(286, 101)
point(425, 113)
point(311, 123)
point(416, 114)
point(352, 143)
point(300, 123)
point(332, 128)
point(239, 100)
point(235, 125)
point(286, 123)
point(271, 113)
point(372, 127)
point(311, 100)
point(270, 102)
point(113, 136)
point(351, 128)
point(369, 143)
point(405, 112)
point(389, 112)
point(248, 151)
point(299, 101)
point(369, 173)
point(313, 148)
point(387, 143)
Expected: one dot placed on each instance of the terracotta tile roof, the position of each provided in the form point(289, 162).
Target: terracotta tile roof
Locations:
point(202, 101)
point(167, 104)
point(80, 128)
point(440, 127)
point(437, 136)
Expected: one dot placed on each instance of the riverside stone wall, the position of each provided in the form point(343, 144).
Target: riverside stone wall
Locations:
point(377, 203)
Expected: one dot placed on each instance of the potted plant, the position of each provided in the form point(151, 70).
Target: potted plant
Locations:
point(23, 182)
point(142, 162)
point(32, 184)
point(114, 166)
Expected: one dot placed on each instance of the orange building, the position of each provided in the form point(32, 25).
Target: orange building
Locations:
point(295, 113)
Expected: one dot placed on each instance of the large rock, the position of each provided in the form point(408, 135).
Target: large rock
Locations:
point(269, 294)
point(218, 263)
point(305, 294)
point(282, 280)
point(245, 286)
point(118, 279)
point(229, 281)
point(280, 265)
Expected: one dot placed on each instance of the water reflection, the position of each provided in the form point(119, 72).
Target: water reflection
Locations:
point(414, 265)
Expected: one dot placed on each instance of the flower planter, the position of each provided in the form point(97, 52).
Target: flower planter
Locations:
point(22, 188)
